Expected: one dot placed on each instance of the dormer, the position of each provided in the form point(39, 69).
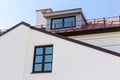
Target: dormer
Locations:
point(60, 20)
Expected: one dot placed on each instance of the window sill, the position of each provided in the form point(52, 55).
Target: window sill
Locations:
point(41, 72)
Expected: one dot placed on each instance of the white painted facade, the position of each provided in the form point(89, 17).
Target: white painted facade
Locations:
point(40, 20)
point(71, 61)
point(12, 53)
point(109, 40)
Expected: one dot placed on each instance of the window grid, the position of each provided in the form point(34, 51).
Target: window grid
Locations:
point(46, 66)
point(64, 24)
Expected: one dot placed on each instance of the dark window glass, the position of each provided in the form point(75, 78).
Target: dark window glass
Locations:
point(38, 59)
point(43, 59)
point(47, 67)
point(39, 50)
point(48, 58)
point(69, 22)
point(56, 23)
point(65, 22)
point(48, 50)
point(38, 67)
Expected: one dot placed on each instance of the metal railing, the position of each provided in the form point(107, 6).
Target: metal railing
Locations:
point(100, 23)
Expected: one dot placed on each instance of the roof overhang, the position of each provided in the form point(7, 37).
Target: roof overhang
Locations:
point(63, 12)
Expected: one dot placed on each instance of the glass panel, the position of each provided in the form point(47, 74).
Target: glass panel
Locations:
point(38, 59)
point(48, 58)
point(48, 50)
point(57, 23)
point(39, 51)
point(69, 22)
point(48, 67)
point(38, 67)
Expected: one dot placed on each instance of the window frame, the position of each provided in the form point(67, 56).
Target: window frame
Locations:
point(43, 60)
point(63, 27)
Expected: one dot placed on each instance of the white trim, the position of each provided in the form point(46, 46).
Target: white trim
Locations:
point(63, 12)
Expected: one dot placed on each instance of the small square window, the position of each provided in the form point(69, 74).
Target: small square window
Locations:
point(38, 59)
point(39, 51)
point(48, 50)
point(43, 59)
point(47, 67)
point(48, 58)
point(38, 67)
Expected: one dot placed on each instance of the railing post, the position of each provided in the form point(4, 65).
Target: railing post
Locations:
point(119, 20)
point(104, 22)
point(94, 21)
point(71, 24)
point(62, 24)
point(55, 27)
point(41, 26)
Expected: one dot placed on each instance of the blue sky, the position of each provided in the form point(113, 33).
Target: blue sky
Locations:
point(14, 11)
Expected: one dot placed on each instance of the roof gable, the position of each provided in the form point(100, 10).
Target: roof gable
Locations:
point(21, 23)
point(65, 38)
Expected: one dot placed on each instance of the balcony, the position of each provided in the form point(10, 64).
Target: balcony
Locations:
point(98, 25)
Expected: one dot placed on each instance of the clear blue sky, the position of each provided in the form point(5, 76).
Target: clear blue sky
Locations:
point(14, 11)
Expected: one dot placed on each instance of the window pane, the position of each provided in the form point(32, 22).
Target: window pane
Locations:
point(38, 59)
point(56, 23)
point(48, 58)
point(38, 67)
point(39, 51)
point(69, 22)
point(48, 50)
point(48, 67)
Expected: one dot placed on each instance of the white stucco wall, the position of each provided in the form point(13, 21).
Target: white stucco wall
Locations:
point(12, 53)
point(109, 40)
point(71, 61)
point(40, 20)
point(79, 21)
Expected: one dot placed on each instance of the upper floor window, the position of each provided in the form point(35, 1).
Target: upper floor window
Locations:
point(65, 22)
point(43, 59)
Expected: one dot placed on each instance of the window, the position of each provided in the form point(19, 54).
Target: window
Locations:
point(43, 59)
point(65, 22)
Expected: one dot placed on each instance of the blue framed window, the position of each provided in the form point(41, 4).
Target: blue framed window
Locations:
point(65, 22)
point(43, 59)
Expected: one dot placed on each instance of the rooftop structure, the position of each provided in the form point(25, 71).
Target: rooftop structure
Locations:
point(72, 22)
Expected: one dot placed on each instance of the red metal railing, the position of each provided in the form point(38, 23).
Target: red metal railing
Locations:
point(100, 23)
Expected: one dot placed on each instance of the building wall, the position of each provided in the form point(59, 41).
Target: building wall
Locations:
point(109, 40)
point(12, 54)
point(71, 61)
point(40, 20)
